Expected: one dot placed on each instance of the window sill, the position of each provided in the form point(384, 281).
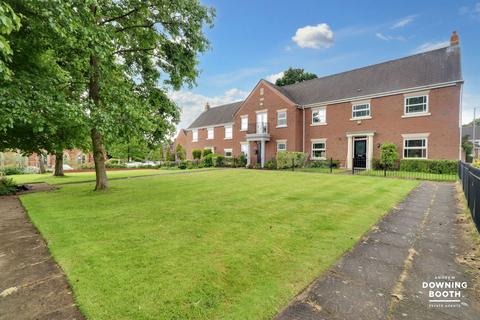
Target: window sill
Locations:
point(243, 130)
point(318, 124)
point(415, 158)
point(210, 139)
point(318, 158)
point(194, 140)
point(281, 126)
point(227, 138)
point(361, 118)
point(412, 115)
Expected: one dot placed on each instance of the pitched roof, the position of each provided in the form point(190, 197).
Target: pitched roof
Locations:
point(216, 115)
point(423, 69)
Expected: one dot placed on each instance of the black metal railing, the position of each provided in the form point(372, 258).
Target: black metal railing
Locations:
point(470, 178)
point(395, 170)
point(257, 127)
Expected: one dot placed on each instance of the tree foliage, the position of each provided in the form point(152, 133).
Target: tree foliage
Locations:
point(116, 59)
point(9, 21)
point(388, 154)
point(294, 75)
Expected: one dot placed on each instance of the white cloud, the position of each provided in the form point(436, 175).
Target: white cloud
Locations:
point(273, 77)
point(403, 22)
point(315, 37)
point(428, 46)
point(192, 104)
point(386, 37)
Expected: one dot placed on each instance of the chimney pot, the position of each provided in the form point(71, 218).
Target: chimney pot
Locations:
point(454, 40)
point(207, 107)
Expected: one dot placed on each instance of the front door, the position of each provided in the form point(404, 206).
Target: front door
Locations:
point(360, 153)
point(259, 152)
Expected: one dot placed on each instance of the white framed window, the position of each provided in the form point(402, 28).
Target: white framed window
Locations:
point(319, 149)
point(416, 105)
point(228, 132)
point(244, 123)
point(281, 118)
point(281, 145)
point(361, 111)
point(319, 116)
point(261, 91)
point(415, 148)
point(194, 135)
point(228, 153)
point(210, 133)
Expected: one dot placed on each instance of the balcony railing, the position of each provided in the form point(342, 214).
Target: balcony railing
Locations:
point(257, 128)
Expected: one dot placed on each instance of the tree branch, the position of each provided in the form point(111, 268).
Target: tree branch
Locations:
point(117, 17)
point(133, 50)
point(136, 26)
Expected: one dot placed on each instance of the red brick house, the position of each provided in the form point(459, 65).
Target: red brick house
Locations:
point(414, 102)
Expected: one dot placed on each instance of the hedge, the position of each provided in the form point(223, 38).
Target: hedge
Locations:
point(429, 166)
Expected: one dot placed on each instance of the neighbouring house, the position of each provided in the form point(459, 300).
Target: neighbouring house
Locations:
point(75, 158)
point(414, 102)
point(470, 134)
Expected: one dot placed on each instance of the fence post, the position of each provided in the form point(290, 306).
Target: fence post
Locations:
point(353, 165)
point(293, 164)
point(331, 164)
point(384, 169)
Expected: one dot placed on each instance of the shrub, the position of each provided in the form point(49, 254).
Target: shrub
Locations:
point(196, 154)
point(429, 166)
point(271, 164)
point(182, 165)
point(7, 186)
point(208, 160)
point(324, 164)
point(206, 152)
point(110, 165)
point(12, 171)
point(180, 152)
point(388, 154)
point(288, 158)
point(476, 163)
point(88, 166)
point(219, 160)
point(241, 160)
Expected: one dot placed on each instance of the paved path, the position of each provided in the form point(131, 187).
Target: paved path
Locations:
point(32, 285)
point(381, 278)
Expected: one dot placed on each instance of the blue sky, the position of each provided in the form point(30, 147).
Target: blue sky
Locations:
point(259, 39)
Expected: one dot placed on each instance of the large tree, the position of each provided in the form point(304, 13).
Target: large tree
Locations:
point(126, 54)
point(9, 21)
point(294, 75)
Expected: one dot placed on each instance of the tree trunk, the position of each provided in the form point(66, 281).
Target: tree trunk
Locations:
point(41, 163)
point(58, 164)
point(97, 139)
point(99, 159)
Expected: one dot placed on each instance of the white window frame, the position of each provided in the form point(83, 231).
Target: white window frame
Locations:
point(314, 110)
point(230, 150)
point(314, 141)
point(279, 112)
point(195, 135)
point(368, 116)
point(242, 127)
point(419, 136)
point(280, 142)
point(405, 107)
point(212, 130)
point(231, 132)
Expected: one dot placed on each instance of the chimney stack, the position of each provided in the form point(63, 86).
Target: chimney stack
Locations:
point(207, 107)
point(454, 40)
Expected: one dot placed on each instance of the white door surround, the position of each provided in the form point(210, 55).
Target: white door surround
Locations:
point(350, 145)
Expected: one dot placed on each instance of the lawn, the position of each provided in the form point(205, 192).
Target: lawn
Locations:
point(84, 176)
point(222, 244)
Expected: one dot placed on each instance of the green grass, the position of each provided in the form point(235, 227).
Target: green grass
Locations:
point(222, 244)
point(83, 176)
point(410, 175)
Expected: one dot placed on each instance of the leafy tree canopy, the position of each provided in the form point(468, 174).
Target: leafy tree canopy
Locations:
point(294, 75)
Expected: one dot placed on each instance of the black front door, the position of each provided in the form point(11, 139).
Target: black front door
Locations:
point(360, 154)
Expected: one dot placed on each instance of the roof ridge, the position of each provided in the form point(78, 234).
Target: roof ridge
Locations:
point(361, 68)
